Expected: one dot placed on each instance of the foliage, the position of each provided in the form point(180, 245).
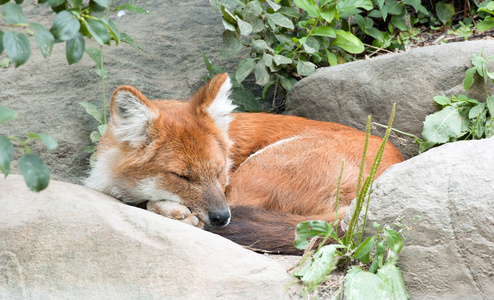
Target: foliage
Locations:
point(461, 118)
point(36, 173)
point(289, 40)
point(487, 9)
point(96, 55)
point(74, 20)
point(377, 254)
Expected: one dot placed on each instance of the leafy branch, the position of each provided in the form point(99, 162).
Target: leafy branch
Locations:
point(36, 173)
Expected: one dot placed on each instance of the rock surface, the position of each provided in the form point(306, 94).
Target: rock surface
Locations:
point(69, 242)
point(448, 254)
point(347, 93)
point(46, 93)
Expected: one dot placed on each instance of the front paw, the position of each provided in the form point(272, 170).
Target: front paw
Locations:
point(176, 211)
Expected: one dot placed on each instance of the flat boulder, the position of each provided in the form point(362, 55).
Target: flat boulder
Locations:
point(348, 93)
point(69, 242)
point(450, 190)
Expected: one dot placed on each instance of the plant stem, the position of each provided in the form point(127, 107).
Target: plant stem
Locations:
point(377, 162)
point(338, 194)
point(103, 85)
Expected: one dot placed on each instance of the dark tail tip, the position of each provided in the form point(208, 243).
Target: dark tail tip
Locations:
point(261, 230)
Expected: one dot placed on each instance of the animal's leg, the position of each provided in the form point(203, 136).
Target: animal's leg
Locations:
point(176, 211)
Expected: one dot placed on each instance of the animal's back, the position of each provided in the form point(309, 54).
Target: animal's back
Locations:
point(286, 171)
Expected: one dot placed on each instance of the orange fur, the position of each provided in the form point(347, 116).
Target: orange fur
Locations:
point(282, 169)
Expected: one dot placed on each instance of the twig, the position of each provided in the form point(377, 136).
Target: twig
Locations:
point(382, 49)
point(306, 252)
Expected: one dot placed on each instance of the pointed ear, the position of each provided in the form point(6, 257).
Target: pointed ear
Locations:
point(214, 98)
point(131, 115)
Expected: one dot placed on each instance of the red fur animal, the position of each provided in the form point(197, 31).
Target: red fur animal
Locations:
point(197, 162)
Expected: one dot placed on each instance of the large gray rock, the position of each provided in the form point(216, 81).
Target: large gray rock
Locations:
point(347, 93)
point(69, 242)
point(46, 93)
point(449, 252)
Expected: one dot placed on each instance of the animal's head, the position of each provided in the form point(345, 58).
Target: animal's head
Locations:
point(172, 150)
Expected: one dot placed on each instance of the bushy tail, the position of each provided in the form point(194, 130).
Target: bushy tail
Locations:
point(263, 230)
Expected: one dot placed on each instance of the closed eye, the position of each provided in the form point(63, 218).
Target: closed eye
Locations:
point(182, 176)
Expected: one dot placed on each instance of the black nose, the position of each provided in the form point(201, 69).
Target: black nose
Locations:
point(219, 218)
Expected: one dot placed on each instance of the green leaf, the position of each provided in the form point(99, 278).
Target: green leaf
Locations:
point(333, 61)
point(289, 12)
point(128, 40)
point(95, 55)
point(104, 3)
point(324, 31)
point(102, 128)
point(54, 3)
point(36, 173)
point(4, 63)
point(6, 154)
point(13, 14)
point(310, 6)
point(281, 20)
point(93, 111)
point(476, 111)
point(76, 3)
point(375, 33)
point(244, 69)
point(65, 26)
point(305, 68)
point(285, 82)
point(244, 98)
point(261, 73)
point(90, 149)
point(442, 100)
point(228, 25)
point(113, 29)
point(364, 285)
point(17, 46)
point(95, 136)
point(323, 263)
point(329, 13)
point(489, 101)
point(98, 31)
point(47, 139)
point(244, 27)
point(43, 38)
point(468, 81)
point(440, 127)
point(252, 10)
point(307, 230)
point(232, 45)
point(311, 45)
point(74, 49)
point(363, 251)
point(399, 23)
point(259, 46)
point(131, 7)
point(348, 42)
point(7, 114)
point(485, 24)
point(275, 6)
point(394, 240)
point(392, 278)
point(282, 60)
point(445, 11)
